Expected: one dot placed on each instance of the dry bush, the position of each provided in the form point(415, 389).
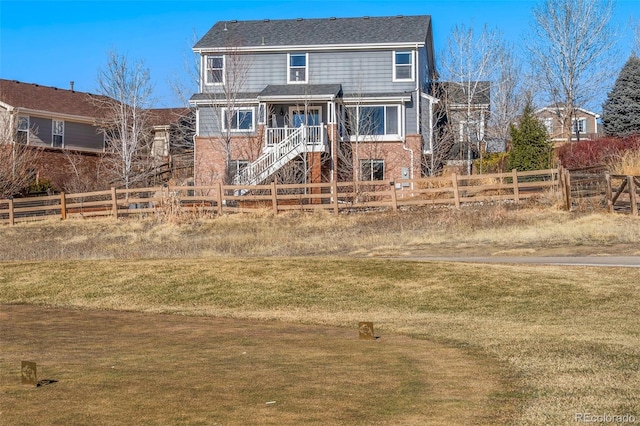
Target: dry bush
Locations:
point(626, 163)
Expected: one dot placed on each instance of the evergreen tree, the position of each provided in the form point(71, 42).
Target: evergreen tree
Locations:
point(621, 110)
point(531, 147)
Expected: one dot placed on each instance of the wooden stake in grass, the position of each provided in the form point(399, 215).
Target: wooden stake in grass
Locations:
point(366, 330)
point(29, 373)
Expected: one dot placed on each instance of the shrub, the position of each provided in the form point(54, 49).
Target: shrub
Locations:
point(495, 162)
point(592, 153)
point(531, 148)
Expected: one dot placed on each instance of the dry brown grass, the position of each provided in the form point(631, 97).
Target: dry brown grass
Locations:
point(129, 368)
point(419, 232)
point(627, 164)
point(564, 340)
point(547, 342)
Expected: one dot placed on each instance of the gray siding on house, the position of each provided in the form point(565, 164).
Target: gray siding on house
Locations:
point(423, 70)
point(82, 136)
point(79, 136)
point(209, 124)
point(357, 71)
point(411, 118)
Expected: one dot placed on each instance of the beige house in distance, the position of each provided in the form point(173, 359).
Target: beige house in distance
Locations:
point(584, 127)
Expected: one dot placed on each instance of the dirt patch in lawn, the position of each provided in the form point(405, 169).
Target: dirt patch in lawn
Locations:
point(136, 368)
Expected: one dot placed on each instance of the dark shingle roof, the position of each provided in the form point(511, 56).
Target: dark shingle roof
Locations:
point(311, 32)
point(456, 93)
point(166, 116)
point(50, 99)
point(301, 90)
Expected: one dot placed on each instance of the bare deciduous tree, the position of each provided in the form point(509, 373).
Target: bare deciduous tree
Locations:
point(570, 48)
point(508, 97)
point(17, 160)
point(127, 91)
point(470, 63)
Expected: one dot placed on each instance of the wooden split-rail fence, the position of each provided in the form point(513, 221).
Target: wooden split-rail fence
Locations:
point(594, 188)
point(455, 190)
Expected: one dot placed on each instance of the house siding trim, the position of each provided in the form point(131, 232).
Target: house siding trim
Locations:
point(318, 47)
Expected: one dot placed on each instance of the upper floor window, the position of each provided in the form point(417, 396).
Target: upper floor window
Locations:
point(57, 133)
point(22, 135)
point(238, 120)
point(579, 125)
point(403, 67)
point(372, 169)
point(297, 68)
point(214, 69)
point(373, 121)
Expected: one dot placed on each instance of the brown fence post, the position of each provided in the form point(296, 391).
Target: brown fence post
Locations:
point(456, 192)
point(274, 197)
point(394, 196)
point(114, 202)
point(567, 189)
point(219, 190)
point(63, 206)
point(334, 189)
point(12, 219)
point(607, 191)
point(631, 187)
point(516, 190)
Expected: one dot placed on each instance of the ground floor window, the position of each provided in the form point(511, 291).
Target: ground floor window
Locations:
point(372, 120)
point(236, 167)
point(371, 169)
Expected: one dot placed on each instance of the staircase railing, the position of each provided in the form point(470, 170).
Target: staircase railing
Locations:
point(277, 155)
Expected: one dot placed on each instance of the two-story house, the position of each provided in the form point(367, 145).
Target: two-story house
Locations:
point(584, 123)
point(314, 99)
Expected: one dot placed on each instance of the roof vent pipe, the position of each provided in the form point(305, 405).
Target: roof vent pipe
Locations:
point(71, 85)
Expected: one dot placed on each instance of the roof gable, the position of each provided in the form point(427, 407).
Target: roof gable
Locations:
point(316, 32)
point(50, 99)
point(560, 106)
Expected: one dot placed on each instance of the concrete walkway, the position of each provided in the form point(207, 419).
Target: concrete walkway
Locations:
point(610, 261)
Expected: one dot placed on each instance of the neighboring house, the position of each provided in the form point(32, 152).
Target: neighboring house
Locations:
point(65, 126)
point(62, 124)
point(314, 99)
point(584, 123)
point(466, 112)
point(51, 117)
point(173, 130)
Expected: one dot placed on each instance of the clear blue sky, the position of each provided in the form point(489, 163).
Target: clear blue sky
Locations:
point(54, 42)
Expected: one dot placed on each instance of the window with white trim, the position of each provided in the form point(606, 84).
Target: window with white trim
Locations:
point(297, 67)
point(22, 134)
point(474, 129)
point(238, 120)
point(403, 66)
point(371, 169)
point(236, 167)
point(373, 120)
point(548, 124)
point(579, 125)
point(214, 69)
point(57, 133)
